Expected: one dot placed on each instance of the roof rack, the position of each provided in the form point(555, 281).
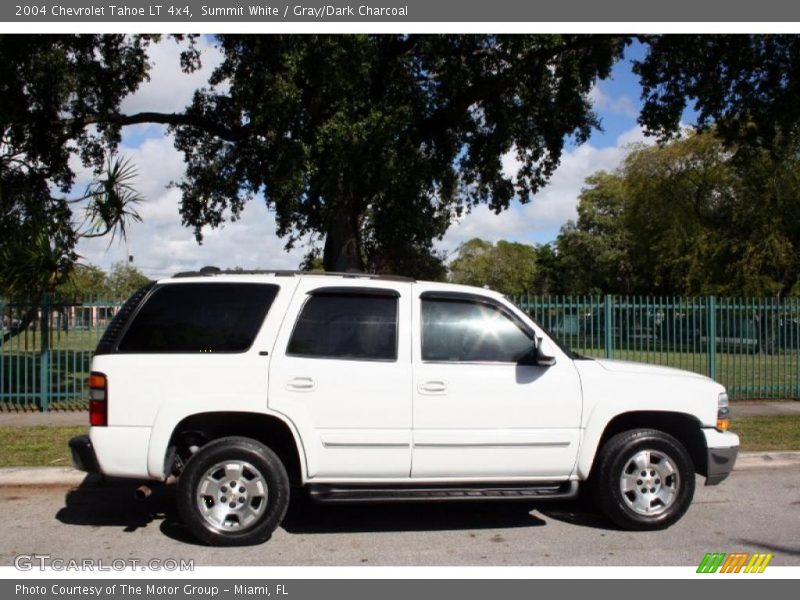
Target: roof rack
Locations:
point(210, 271)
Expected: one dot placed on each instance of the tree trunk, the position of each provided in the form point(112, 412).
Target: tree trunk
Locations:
point(23, 324)
point(342, 251)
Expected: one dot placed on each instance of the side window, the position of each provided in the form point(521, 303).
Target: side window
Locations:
point(346, 326)
point(467, 331)
point(199, 317)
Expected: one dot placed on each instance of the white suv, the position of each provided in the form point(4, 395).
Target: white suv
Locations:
point(250, 387)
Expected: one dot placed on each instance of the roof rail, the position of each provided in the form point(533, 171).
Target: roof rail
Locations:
point(211, 271)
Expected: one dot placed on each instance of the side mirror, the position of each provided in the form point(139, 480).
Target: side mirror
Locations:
point(545, 354)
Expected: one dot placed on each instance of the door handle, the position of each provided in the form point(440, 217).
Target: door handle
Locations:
point(301, 384)
point(432, 387)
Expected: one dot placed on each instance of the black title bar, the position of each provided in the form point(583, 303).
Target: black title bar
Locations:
point(309, 11)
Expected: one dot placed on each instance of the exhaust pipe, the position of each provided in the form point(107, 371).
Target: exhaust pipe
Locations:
point(143, 492)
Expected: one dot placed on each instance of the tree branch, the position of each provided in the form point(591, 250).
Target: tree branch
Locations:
point(228, 133)
point(488, 86)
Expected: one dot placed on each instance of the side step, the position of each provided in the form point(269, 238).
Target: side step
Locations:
point(556, 490)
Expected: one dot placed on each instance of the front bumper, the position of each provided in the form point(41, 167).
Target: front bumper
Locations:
point(723, 448)
point(83, 456)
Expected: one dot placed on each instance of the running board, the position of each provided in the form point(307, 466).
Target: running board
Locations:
point(558, 490)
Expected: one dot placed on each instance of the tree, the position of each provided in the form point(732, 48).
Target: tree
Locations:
point(51, 89)
point(744, 86)
point(594, 252)
point(508, 267)
point(473, 263)
point(124, 279)
point(83, 282)
point(374, 143)
point(695, 216)
point(377, 142)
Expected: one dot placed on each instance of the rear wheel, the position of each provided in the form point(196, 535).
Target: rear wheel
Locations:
point(645, 479)
point(234, 491)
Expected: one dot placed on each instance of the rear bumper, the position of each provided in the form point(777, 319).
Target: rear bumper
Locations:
point(83, 456)
point(723, 448)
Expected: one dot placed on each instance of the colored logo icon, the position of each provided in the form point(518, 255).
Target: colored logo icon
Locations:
point(737, 562)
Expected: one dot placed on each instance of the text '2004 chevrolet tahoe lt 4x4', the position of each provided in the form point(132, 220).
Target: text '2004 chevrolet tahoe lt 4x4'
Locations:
point(252, 387)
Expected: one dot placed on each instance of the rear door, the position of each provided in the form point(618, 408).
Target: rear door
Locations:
point(341, 371)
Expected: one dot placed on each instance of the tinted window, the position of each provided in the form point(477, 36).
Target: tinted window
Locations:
point(346, 326)
point(199, 317)
point(464, 331)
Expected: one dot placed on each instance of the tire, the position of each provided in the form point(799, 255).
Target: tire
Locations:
point(655, 500)
point(217, 517)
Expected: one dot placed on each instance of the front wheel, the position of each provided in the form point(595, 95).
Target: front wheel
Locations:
point(234, 491)
point(645, 479)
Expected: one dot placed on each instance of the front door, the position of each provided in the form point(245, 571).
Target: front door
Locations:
point(478, 412)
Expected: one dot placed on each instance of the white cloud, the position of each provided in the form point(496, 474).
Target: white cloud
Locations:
point(621, 105)
point(162, 246)
point(553, 206)
point(169, 89)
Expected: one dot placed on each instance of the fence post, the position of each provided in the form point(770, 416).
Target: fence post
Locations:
point(44, 356)
point(711, 321)
point(609, 327)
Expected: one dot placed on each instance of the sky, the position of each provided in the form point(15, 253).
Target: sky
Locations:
point(162, 246)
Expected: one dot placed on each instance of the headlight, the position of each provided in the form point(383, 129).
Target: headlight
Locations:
point(723, 412)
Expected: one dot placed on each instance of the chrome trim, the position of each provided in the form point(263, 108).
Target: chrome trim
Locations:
point(493, 445)
point(362, 445)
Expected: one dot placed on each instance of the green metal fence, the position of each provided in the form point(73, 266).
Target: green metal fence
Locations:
point(750, 345)
point(46, 352)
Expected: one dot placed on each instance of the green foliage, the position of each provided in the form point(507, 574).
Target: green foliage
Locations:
point(124, 279)
point(744, 86)
point(508, 267)
point(86, 282)
point(51, 88)
point(83, 283)
point(694, 216)
point(111, 200)
point(592, 254)
point(378, 142)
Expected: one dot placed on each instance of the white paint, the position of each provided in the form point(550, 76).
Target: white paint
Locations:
point(399, 421)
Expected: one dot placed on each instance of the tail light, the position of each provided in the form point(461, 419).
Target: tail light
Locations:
point(98, 400)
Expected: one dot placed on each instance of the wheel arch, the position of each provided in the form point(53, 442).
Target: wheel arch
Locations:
point(271, 430)
point(686, 428)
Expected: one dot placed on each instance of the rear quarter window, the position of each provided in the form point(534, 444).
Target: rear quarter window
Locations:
point(199, 318)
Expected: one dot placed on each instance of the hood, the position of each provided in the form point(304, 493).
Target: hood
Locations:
point(625, 366)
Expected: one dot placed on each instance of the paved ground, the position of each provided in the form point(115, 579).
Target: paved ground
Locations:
point(755, 510)
point(750, 409)
point(63, 418)
point(55, 419)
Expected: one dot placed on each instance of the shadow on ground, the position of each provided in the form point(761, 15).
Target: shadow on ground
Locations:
point(307, 518)
point(578, 513)
point(112, 503)
point(770, 547)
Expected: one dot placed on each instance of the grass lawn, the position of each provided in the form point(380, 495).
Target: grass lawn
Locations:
point(37, 446)
point(768, 433)
point(47, 446)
